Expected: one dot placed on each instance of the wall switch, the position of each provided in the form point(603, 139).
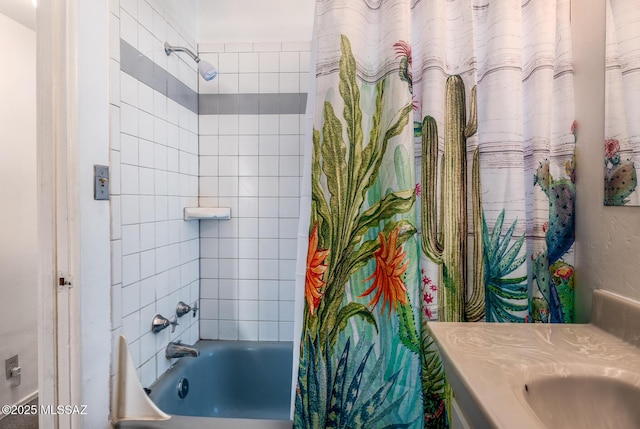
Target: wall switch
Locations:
point(101, 182)
point(9, 366)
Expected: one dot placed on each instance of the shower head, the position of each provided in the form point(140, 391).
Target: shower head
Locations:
point(206, 69)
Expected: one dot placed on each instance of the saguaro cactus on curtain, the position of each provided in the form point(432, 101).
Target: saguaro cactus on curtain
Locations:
point(441, 188)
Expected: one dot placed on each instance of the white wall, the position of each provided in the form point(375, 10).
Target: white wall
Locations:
point(255, 20)
point(607, 238)
point(89, 145)
point(18, 246)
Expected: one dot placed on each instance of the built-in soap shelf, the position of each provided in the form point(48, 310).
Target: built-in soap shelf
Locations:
point(196, 213)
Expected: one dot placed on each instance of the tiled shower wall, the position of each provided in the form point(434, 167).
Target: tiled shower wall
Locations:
point(250, 160)
point(154, 175)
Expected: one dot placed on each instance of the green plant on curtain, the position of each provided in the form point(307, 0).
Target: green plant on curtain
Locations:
point(506, 298)
point(344, 381)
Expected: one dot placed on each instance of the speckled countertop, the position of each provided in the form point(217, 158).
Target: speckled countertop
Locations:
point(488, 364)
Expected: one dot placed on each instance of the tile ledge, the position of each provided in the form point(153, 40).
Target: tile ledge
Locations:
point(199, 213)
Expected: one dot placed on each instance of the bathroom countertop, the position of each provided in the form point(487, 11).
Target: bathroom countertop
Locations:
point(488, 364)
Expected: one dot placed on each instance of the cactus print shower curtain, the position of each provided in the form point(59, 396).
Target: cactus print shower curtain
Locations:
point(439, 185)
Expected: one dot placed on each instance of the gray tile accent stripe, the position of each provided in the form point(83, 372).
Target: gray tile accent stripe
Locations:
point(137, 65)
point(252, 104)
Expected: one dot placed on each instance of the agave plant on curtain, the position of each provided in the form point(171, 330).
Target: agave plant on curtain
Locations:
point(441, 187)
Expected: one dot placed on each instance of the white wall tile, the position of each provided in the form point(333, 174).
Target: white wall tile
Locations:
point(268, 269)
point(287, 290)
point(268, 124)
point(147, 181)
point(228, 146)
point(116, 262)
point(128, 89)
point(228, 309)
point(145, 98)
point(228, 329)
point(228, 62)
point(289, 62)
point(128, 119)
point(248, 145)
point(288, 248)
point(130, 209)
point(128, 28)
point(290, 124)
point(209, 329)
point(130, 302)
point(247, 290)
point(268, 228)
point(248, 62)
point(116, 222)
point(268, 331)
point(248, 124)
point(156, 259)
point(268, 207)
point(289, 187)
point(247, 207)
point(269, 83)
point(289, 166)
point(289, 145)
point(258, 175)
point(228, 83)
point(269, 62)
point(248, 330)
point(209, 125)
point(285, 331)
point(247, 248)
point(228, 125)
point(130, 239)
point(268, 144)
point(268, 165)
point(268, 290)
point(289, 82)
point(248, 186)
point(248, 269)
point(228, 166)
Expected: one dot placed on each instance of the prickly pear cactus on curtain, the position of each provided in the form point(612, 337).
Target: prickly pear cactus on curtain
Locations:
point(441, 188)
point(621, 125)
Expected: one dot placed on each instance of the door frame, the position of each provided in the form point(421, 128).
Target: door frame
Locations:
point(57, 384)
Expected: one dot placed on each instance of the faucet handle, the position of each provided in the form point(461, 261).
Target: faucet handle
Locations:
point(195, 308)
point(158, 323)
point(182, 308)
point(174, 322)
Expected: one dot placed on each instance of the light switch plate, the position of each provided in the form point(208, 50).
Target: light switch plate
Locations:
point(101, 182)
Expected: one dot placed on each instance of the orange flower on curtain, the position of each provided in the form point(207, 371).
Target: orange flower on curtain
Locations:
point(387, 276)
point(315, 270)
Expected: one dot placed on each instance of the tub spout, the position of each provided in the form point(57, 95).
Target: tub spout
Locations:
point(175, 349)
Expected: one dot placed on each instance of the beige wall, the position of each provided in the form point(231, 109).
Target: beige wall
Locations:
point(607, 238)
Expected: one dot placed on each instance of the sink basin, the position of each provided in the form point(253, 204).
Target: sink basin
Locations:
point(583, 396)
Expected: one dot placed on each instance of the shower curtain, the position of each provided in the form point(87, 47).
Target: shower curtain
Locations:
point(622, 87)
point(439, 185)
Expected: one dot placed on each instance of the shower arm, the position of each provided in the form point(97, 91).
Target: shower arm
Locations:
point(168, 49)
